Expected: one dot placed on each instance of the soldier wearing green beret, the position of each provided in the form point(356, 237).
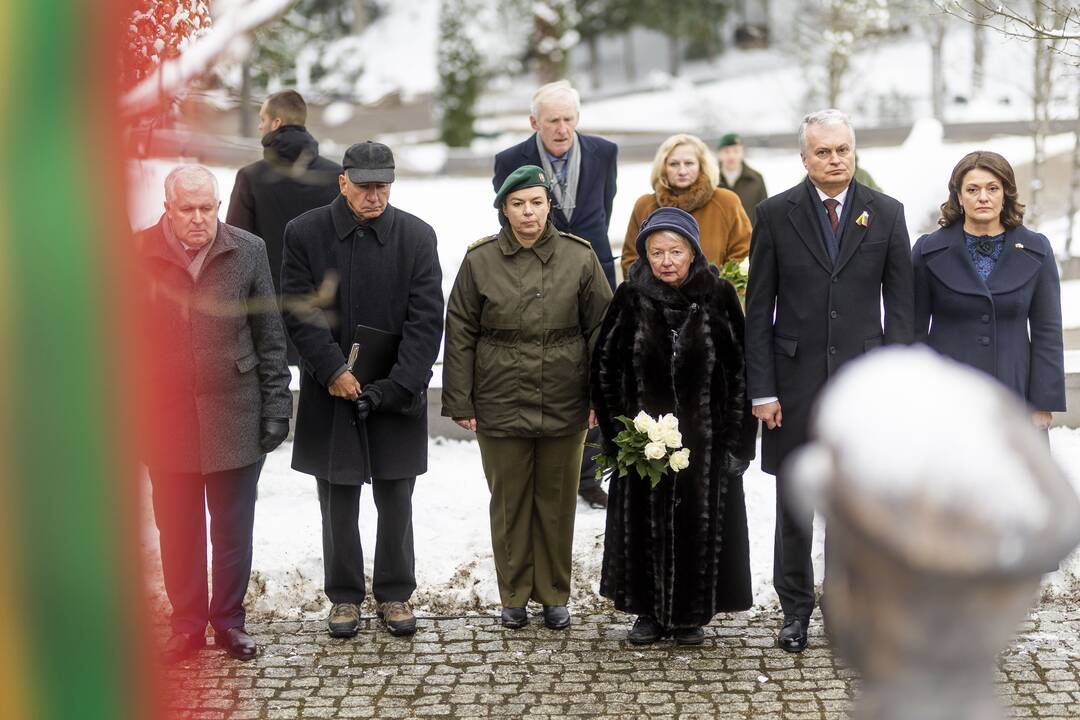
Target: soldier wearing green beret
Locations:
point(737, 176)
point(521, 321)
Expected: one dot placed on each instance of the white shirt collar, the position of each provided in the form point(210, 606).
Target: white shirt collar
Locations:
point(839, 198)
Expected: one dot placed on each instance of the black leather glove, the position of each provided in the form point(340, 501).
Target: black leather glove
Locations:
point(369, 401)
point(736, 466)
point(272, 433)
point(389, 397)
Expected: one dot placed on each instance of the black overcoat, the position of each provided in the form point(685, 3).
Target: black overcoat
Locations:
point(595, 195)
point(291, 179)
point(678, 552)
point(806, 316)
point(385, 275)
point(986, 324)
point(215, 359)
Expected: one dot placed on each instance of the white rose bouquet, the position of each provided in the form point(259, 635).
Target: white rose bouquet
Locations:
point(651, 446)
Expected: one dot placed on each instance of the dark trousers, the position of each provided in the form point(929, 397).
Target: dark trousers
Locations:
point(588, 460)
point(180, 503)
point(793, 567)
point(343, 557)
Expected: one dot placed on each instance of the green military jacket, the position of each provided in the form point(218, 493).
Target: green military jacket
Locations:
point(520, 324)
point(750, 187)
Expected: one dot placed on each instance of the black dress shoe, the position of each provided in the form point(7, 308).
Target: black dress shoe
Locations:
point(515, 618)
point(793, 635)
point(688, 636)
point(237, 643)
point(645, 631)
point(181, 646)
point(556, 617)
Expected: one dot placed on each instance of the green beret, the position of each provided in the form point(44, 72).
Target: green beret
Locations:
point(728, 139)
point(526, 176)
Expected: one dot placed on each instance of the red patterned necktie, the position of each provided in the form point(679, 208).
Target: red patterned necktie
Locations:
point(830, 207)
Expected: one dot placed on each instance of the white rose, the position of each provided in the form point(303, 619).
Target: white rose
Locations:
point(655, 450)
point(668, 422)
point(672, 438)
point(656, 433)
point(643, 423)
point(679, 460)
point(744, 266)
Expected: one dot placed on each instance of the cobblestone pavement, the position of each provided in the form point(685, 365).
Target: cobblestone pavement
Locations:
point(471, 667)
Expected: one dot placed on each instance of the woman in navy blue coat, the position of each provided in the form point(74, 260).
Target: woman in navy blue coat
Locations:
point(986, 288)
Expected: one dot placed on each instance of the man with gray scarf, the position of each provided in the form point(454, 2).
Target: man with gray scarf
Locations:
point(583, 168)
point(216, 383)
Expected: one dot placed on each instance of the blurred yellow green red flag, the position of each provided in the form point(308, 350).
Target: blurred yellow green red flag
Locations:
point(74, 630)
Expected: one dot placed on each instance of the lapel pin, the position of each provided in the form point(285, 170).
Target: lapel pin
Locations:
point(1019, 246)
point(863, 220)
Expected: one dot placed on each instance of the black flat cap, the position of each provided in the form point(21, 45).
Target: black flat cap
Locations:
point(369, 162)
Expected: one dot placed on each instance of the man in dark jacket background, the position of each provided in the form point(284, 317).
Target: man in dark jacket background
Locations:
point(217, 387)
point(290, 179)
point(824, 256)
point(584, 170)
point(737, 176)
point(361, 261)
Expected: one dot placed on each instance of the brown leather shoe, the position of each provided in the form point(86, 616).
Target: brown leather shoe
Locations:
point(180, 646)
point(398, 617)
point(344, 620)
point(595, 496)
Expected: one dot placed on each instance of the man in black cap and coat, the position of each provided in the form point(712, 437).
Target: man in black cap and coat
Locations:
point(361, 261)
point(291, 179)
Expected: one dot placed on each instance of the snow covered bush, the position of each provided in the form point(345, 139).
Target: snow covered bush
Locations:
point(159, 30)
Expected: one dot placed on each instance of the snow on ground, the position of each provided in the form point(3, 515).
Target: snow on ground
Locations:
point(765, 91)
point(454, 567)
point(1070, 304)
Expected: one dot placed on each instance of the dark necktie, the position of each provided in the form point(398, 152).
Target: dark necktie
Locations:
point(559, 165)
point(830, 207)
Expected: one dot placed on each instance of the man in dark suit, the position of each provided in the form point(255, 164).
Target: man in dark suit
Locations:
point(382, 264)
point(291, 179)
point(584, 170)
point(823, 256)
point(218, 387)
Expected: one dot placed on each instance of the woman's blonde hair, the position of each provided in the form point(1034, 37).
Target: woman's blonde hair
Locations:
point(709, 167)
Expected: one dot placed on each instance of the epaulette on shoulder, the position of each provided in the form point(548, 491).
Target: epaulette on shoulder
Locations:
point(481, 241)
point(571, 236)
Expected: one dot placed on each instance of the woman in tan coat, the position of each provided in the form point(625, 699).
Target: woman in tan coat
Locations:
point(685, 175)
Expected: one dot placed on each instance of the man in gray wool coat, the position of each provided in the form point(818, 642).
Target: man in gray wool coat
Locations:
point(217, 387)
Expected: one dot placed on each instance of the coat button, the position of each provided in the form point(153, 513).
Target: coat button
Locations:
point(833, 314)
point(832, 350)
point(835, 279)
point(985, 318)
point(539, 294)
point(984, 340)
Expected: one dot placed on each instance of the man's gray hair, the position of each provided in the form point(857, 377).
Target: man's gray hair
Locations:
point(552, 90)
point(826, 118)
point(189, 175)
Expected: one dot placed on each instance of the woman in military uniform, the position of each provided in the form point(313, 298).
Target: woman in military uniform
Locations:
point(524, 312)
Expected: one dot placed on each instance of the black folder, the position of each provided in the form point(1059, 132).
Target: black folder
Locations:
point(378, 353)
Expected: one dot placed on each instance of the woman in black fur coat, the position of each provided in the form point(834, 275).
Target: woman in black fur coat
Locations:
point(672, 342)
